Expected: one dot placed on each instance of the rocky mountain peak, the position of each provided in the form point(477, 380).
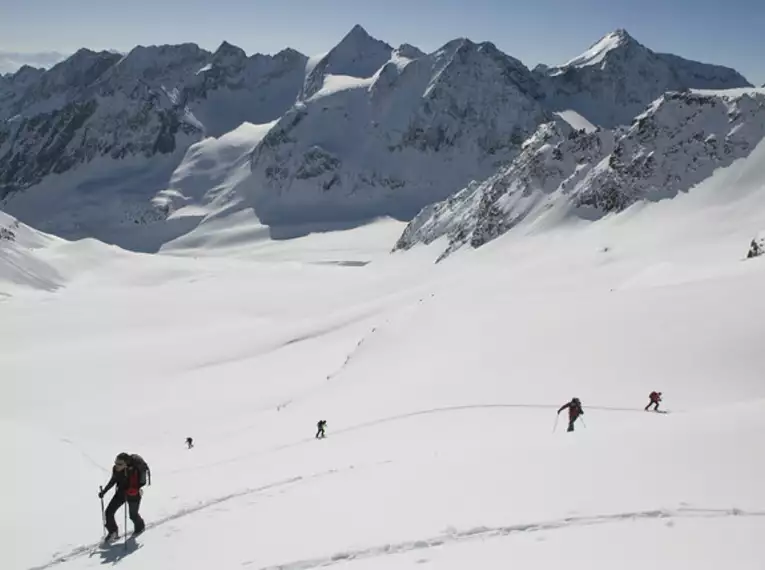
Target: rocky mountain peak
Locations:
point(409, 51)
point(610, 45)
point(681, 139)
point(228, 52)
point(618, 77)
point(357, 55)
point(289, 55)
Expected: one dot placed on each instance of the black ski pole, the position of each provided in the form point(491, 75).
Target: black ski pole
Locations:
point(103, 513)
point(126, 513)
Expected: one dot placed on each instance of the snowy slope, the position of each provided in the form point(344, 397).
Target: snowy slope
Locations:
point(439, 383)
point(31, 260)
point(617, 77)
point(389, 144)
point(19, 264)
point(678, 143)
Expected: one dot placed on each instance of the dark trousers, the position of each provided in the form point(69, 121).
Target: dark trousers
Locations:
point(320, 433)
point(133, 504)
point(571, 420)
point(654, 404)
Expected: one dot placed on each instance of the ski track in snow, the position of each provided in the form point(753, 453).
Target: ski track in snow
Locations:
point(395, 418)
point(315, 333)
point(351, 355)
point(89, 549)
point(473, 407)
point(85, 455)
point(503, 531)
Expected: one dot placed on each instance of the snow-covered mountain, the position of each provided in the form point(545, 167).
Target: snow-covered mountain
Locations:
point(412, 132)
point(104, 104)
point(231, 88)
point(86, 145)
point(677, 143)
point(617, 77)
point(441, 384)
point(102, 144)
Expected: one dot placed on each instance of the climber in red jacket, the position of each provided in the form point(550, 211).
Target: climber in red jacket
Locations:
point(655, 398)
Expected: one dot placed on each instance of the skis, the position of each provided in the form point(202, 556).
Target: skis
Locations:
point(118, 542)
point(115, 540)
point(108, 542)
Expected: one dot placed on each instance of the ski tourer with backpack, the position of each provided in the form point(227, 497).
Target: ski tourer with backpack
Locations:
point(129, 475)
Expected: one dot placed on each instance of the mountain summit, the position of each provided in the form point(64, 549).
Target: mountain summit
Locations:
point(357, 55)
point(618, 77)
point(600, 49)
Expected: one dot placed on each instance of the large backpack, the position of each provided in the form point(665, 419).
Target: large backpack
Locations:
point(144, 473)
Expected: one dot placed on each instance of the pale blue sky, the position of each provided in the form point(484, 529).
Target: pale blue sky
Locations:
point(728, 32)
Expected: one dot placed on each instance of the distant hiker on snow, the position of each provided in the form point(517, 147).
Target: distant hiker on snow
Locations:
point(574, 411)
point(755, 249)
point(189, 442)
point(320, 429)
point(655, 398)
point(129, 474)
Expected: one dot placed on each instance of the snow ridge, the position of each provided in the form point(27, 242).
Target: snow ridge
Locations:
point(357, 55)
point(674, 145)
point(600, 49)
point(618, 77)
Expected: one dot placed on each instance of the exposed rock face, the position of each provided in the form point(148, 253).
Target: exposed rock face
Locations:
point(674, 145)
point(416, 131)
point(617, 78)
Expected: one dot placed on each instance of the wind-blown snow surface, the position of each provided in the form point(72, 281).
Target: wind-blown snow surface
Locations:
point(439, 384)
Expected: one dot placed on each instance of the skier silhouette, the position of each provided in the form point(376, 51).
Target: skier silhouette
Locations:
point(320, 429)
point(574, 411)
point(754, 249)
point(655, 398)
